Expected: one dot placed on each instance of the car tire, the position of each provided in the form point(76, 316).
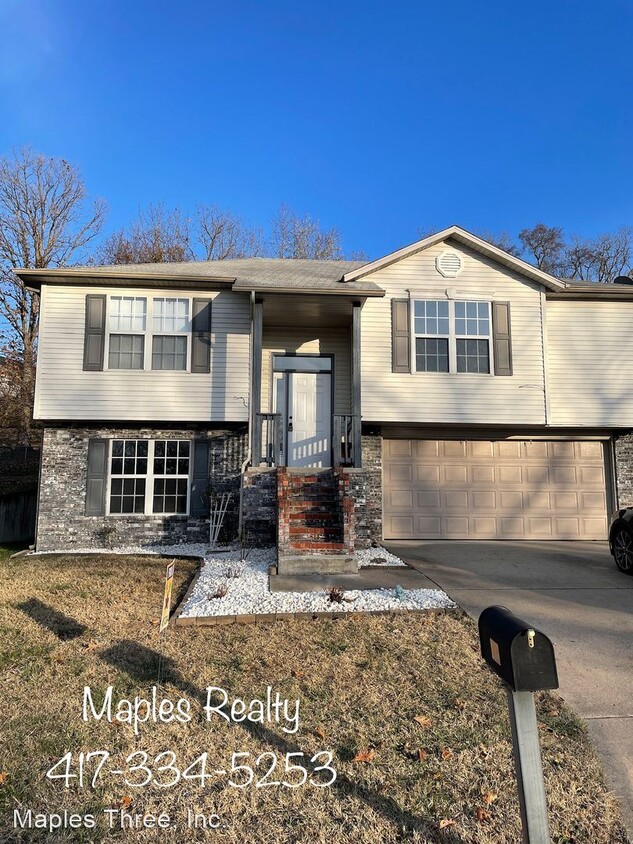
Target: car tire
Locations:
point(622, 543)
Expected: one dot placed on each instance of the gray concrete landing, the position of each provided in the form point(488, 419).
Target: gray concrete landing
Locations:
point(371, 577)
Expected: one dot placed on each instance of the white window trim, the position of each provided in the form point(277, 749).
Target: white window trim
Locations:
point(452, 337)
point(148, 335)
point(149, 478)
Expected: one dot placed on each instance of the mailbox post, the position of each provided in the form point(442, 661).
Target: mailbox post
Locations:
point(524, 659)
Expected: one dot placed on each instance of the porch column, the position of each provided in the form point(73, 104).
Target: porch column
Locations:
point(356, 420)
point(256, 382)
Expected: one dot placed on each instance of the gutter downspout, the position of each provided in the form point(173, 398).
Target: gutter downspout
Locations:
point(246, 462)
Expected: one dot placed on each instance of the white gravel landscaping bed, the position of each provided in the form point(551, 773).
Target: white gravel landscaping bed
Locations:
point(248, 593)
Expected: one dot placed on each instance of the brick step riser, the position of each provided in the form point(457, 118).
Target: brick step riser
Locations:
point(316, 535)
point(321, 515)
point(318, 547)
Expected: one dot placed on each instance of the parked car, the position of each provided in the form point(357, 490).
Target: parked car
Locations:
point(621, 539)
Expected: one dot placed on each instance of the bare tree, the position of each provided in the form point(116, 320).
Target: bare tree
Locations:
point(157, 235)
point(303, 237)
point(546, 245)
point(45, 221)
point(223, 235)
point(502, 241)
point(600, 259)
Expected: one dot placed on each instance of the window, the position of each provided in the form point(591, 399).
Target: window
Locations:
point(127, 324)
point(171, 328)
point(452, 336)
point(146, 333)
point(149, 476)
point(431, 322)
point(171, 476)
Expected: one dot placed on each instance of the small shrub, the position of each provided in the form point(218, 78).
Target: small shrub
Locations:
point(220, 591)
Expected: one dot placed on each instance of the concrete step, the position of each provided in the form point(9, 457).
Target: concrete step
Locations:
point(318, 564)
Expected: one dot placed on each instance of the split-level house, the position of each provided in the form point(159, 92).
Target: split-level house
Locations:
point(445, 391)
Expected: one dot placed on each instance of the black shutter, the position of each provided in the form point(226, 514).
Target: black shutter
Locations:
point(94, 333)
point(96, 477)
point(400, 336)
point(502, 338)
point(199, 500)
point(201, 336)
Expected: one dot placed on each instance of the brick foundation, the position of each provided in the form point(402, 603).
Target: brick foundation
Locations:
point(259, 507)
point(624, 470)
point(365, 489)
point(61, 519)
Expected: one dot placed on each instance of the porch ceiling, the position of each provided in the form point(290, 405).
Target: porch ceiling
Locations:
point(292, 311)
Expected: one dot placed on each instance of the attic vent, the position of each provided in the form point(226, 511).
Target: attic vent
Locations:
point(448, 264)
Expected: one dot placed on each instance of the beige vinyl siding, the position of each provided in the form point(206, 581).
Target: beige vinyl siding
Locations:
point(590, 344)
point(454, 398)
point(65, 391)
point(332, 341)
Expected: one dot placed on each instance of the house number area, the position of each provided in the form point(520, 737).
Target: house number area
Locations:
point(165, 770)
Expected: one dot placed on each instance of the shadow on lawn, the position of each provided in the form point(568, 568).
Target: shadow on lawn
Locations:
point(147, 666)
point(63, 626)
point(143, 665)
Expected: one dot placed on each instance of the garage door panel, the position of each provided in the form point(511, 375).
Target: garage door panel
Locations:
point(456, 499)
point(514, 489)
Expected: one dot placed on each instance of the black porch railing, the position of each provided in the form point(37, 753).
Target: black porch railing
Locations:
point(268, 440)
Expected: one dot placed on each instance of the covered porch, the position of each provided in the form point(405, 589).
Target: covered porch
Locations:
point(306, 392)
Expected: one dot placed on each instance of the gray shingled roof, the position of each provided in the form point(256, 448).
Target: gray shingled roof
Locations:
point(259, 274)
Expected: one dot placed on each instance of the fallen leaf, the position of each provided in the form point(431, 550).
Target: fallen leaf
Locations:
point(320, 732)
point(125, 802)
point(422, 754)
point(447, 753)
point(422, 720)
point(460, 704)
point(364, 756)
point(155, 621)
point(3, 777)
point(553, 713)
point(116, 722)
point(90, 646)
point(482, 815)
point(490, 797)
point(297, 674)
point(446, 822)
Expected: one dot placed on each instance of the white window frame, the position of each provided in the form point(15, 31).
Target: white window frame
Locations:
point(149, 478)
point(148, 334)
point(452, 337)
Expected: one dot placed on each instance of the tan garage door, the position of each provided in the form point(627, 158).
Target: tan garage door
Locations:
point(508, 489)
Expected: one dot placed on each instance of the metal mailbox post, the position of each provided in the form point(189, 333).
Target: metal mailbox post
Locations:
point(524, 659)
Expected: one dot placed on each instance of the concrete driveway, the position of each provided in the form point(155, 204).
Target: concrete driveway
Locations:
point(573, 592)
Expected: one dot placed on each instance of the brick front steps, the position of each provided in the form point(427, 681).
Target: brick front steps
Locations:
point(315, 522)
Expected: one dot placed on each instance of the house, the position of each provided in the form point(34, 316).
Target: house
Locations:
point(447, 390)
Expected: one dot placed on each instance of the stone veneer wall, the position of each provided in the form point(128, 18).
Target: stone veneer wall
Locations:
point(366, 490)
point(61, 519)
point(259, 507)
point(624, 470)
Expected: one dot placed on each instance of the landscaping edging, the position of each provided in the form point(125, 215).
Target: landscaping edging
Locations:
point(267, 618)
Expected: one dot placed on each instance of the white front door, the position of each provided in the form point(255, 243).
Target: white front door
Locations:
point(309, 419)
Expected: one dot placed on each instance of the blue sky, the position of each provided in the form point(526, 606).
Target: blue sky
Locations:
point(379, 118)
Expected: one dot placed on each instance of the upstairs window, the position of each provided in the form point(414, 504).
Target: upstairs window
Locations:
point(171, 328)
point(127, 324)
point(452, 336)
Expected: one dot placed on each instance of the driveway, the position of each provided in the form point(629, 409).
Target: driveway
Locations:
point(573, 592)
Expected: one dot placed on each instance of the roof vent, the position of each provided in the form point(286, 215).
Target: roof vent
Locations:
point(448, 264)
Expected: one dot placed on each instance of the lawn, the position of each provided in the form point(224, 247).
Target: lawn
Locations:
point(69, 622)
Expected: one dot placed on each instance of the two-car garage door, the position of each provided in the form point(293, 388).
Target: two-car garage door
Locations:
point(505, 489)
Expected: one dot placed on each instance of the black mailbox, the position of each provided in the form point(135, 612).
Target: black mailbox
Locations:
point(516, 651)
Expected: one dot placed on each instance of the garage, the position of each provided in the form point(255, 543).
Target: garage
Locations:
point(502, 489)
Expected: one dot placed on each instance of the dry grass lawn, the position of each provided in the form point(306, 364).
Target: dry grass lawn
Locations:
point(68, 622)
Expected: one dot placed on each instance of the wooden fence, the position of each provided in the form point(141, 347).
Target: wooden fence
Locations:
point(17, 516)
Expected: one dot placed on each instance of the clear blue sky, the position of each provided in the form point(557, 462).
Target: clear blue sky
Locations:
point(378, 118)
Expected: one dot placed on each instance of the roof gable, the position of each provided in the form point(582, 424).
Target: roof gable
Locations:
point(467, 239)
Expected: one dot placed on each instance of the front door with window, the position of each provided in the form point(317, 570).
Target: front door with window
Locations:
point(303, 397)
